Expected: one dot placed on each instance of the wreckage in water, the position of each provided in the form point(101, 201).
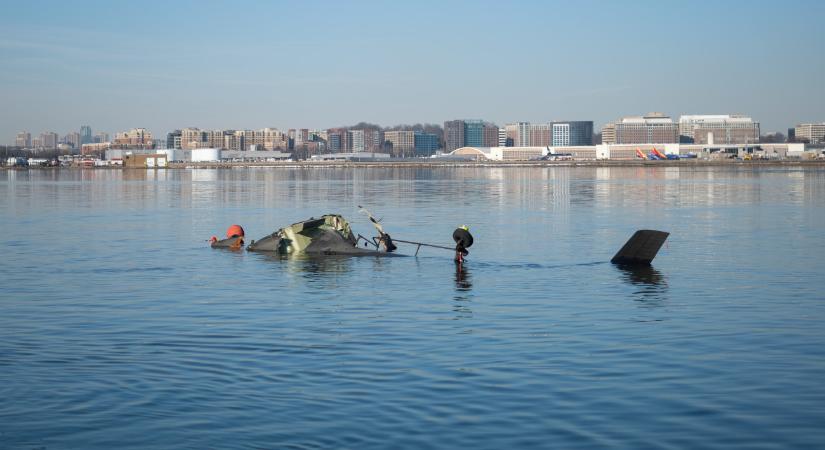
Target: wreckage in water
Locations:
point(331, 234)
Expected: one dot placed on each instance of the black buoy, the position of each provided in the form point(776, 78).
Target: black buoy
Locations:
point(463, 240)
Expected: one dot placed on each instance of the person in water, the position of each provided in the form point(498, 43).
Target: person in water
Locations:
point(463, 239)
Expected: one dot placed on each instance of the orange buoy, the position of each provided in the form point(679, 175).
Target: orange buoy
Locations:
point(234, 230)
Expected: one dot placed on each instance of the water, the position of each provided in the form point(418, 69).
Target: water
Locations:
point(120, 328)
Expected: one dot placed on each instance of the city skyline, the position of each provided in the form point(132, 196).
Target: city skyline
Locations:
point(331, 64)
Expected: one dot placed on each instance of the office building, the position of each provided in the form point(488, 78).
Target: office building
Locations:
point(85, 135)
point(48, 140)
point(518, 133)
point(426, 144)
point(574, 133)
point(502, 138)
point(73, 139)
point(538, 135)
point(403, 142)
point(100, 137)
point(814, 133)
point(653, 128)
point(490, 138)
point(453, 134)
point(23, 139)
point(338, 140)
point(473, 133)
point(173, 139)
point(301, 136)
point(717, 129)
point(609, 133)
point(373, 140)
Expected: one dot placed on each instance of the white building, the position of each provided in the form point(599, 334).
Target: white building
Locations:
point(357, 140)
point(814, 133)
point(206, 155)
point(627, 152)
point(500, 153)
point(718, 129)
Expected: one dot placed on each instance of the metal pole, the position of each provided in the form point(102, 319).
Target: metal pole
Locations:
point(421, 243)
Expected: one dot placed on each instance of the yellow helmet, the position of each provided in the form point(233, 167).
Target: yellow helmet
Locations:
point(465, 228)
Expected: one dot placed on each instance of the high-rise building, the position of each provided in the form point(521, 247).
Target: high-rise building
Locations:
point(136, 137)
point(173, 139)
point(522, 134)
point(453, 135)
point(814, 133)
point(473, 133)
point(101, 137)
point(85, 135)
point(214, 138)
point(301, 136)
point(373, 140)
point(336, 140)
point(718, 129)
point(234, 140)
point(74, 139)
point(653, 128)
point(191, 138)
point(290, 138)
point(23, 139)
point(539, 135)
point(609, 133)
point(403, 142)
point(490, 138)
point(48, 140)
point(426, 143)
point(574, 133)
point(274, 139)
point(356, 137)
point(502, 137)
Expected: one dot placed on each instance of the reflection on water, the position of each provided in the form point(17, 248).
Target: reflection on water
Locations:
point(463, 279)
point(642, 275)
point(115, 315)
point(650, 283)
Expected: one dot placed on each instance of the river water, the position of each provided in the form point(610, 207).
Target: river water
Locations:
point(121, 328)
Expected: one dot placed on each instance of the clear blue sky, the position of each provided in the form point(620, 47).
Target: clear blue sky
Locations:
point(316, 64)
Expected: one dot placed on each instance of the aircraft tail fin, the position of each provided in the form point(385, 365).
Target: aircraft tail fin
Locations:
point(641, 248)
point(659, 154)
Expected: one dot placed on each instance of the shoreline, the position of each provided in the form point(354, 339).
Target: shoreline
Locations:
point(451, 164)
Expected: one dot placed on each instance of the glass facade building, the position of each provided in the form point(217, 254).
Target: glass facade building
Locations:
point(571, 134)
point(426, 143)
point(473, 133)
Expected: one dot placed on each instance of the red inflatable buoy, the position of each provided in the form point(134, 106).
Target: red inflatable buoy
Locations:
point(234, 230)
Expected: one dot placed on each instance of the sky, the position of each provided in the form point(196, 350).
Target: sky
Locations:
point(171, 64)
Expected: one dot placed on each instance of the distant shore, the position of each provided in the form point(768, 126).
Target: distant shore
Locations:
point(686, 163)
